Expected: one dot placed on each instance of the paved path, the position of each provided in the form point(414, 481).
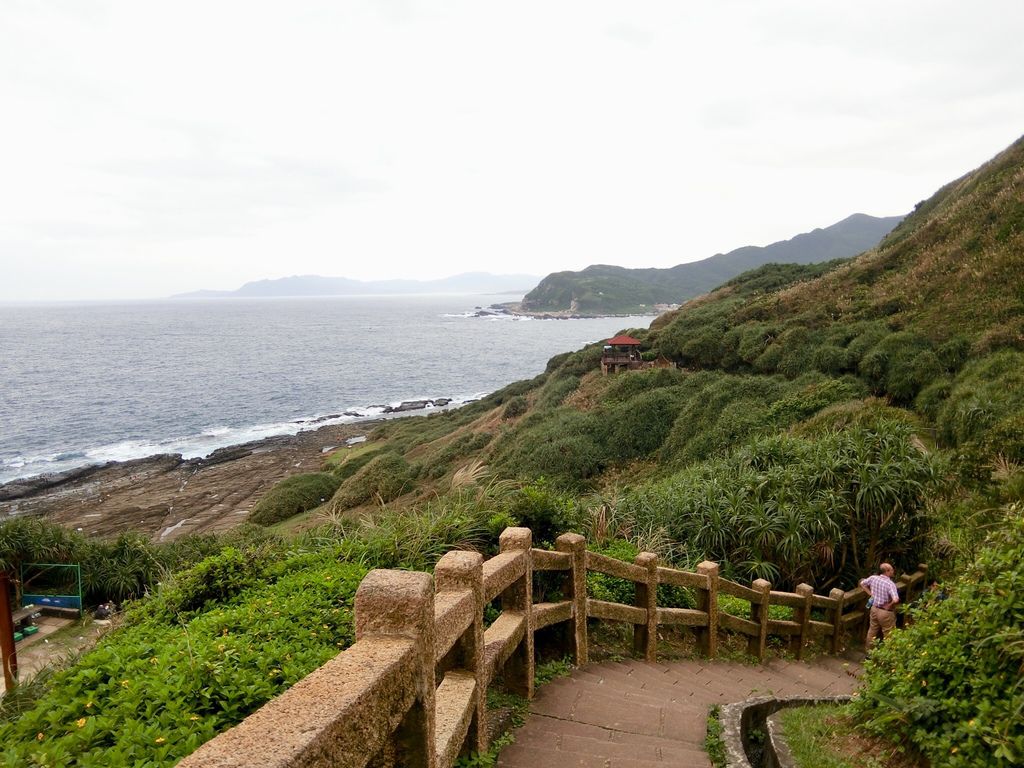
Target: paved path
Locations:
point(636, 715)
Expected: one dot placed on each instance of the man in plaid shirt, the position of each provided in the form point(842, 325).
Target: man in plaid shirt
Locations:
point(884, 598)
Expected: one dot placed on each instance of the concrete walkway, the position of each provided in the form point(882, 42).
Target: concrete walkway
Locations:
point(636, 715)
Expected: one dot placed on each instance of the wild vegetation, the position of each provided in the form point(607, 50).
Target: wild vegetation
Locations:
point(821, 418)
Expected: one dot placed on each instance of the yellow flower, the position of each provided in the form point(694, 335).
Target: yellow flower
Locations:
point(954, 750)
point(39, 736)
point(80, 722)
point(88, 705)
point(970, 723)
point(194, 718)
point(154, 660)
point(125, 683)
point(160, 739)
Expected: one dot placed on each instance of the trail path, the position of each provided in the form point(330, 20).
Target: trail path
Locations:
point(633, 714)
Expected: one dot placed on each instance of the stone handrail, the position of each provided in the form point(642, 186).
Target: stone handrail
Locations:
point(411, 691)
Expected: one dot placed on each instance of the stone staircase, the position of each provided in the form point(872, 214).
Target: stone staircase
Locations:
point(634, 714)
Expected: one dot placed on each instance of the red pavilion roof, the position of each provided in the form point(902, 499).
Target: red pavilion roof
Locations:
point(623, 340)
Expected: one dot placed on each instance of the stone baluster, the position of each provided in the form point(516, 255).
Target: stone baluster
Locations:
point(802, 616)
point(838, 598)
point(458, 571)
point(756, 645)
point(645, 636)
point(518, 670)
point(576, 590)
point(707, 601)
point(402, 603)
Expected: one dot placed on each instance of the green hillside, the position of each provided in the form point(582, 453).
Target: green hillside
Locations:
point(821, 418)
point(603, 289)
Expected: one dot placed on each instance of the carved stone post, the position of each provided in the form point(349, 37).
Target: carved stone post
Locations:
point(518, 670)
point(838, 596)
point(707, 601)
point(576, 590)
point(645, 636)
point(454, 572)
point(402, 603)
point(759, 614)
point(802, 616)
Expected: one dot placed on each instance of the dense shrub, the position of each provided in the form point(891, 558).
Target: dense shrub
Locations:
point(516, 406)
point(950, 682)
point(600, 586)
point(293, 495)
point(790, 509)
point(556, 390)
point(717, 410)
point(461, 447)
point(415, 537)
point(350, 461)
point(564, 445)
point(637, 427)
point(543, 509)
point(385, 477)
point(985, 392)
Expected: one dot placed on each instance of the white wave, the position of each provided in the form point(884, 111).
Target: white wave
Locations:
point(195, 446)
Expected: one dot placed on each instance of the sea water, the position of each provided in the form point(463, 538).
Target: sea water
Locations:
point(88, 383)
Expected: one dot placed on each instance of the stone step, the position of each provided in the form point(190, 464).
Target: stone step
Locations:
point(523, 756)
point(626, 745)
point(631, 714)
point(617, 684)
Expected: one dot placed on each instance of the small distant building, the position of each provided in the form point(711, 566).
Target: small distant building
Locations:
point(621, 353)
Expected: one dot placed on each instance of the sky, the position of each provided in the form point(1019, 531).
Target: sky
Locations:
point(152, 148)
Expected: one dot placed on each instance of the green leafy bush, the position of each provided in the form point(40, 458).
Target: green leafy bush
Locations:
point(516, 406)
point(386, 477)
point(294, 495)
point(152, 692)
point(950, 682)
point(543, 509)
point(984, 392)
point(564, 445)
point(600, 586)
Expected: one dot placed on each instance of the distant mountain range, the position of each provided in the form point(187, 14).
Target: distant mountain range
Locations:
point(604, 290)
point(315, 285)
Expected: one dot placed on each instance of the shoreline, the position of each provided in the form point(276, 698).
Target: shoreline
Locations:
point(166, 496)
point(514, 309)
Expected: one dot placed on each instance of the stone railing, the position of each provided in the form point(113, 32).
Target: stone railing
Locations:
point(411, 691)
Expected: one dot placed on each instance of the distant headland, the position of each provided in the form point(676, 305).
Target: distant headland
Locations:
point(317, 285)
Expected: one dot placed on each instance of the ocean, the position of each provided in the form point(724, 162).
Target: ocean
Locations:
point(94, 382)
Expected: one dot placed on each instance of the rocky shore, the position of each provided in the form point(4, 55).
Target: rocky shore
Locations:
point(515, 309)
point(166, 496)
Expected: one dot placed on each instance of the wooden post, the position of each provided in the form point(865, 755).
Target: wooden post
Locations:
point(402, 603)
point(756, 646)
point(707, 601)
point(8, 653)
point(838, 596)
point(457, 571)
point(518, 670)
point(803, 617)
point(576, 590)
point(645, 636)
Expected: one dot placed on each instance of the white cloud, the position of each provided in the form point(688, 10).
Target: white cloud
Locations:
point(150, 149)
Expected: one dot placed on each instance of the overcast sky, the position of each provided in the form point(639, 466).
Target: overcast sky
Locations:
point(150, 148)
